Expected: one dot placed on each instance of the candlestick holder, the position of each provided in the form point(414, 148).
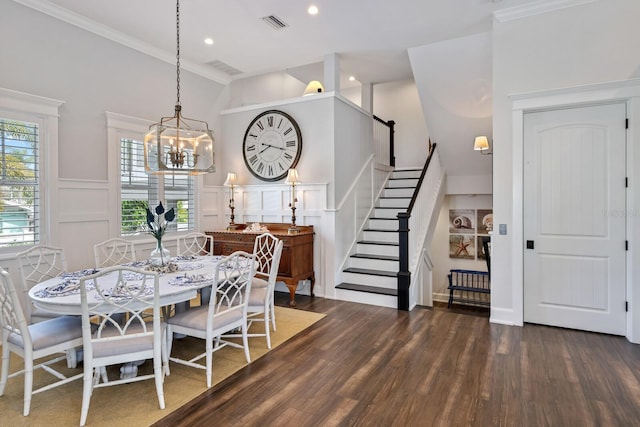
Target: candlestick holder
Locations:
point(292, 179)
point(231, 182)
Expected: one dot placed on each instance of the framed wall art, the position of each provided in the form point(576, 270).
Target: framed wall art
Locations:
point(462, 221)
point(462, 246)
point(484, 220)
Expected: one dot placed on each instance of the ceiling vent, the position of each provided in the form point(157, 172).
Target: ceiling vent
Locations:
point(275, 22)
point(224, 67)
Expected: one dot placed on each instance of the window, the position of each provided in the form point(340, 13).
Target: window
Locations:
point(19, 179)
point(28, 170)
point(139, 190)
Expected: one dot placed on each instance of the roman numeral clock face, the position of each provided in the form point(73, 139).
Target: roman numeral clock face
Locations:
point(272, 145)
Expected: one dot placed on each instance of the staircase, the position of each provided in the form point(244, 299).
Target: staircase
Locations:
point(371, 275)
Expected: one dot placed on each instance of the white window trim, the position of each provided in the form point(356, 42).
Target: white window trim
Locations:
point(45, 112)
point(122, 126)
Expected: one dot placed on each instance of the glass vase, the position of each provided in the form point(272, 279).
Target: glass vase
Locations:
point(160, 255)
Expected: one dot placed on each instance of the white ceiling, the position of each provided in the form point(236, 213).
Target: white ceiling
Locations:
point(370, 36)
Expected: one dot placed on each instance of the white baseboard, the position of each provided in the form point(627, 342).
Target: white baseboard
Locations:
point(503, 316)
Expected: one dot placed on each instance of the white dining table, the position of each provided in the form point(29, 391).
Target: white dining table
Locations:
point(61, 294)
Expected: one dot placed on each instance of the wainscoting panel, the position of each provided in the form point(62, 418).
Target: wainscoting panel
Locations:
point(81, 201)
point(213, 208)
point(77, 240)
point(270, 203)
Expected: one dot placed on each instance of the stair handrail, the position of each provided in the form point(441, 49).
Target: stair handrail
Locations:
point(404, 235)
point(414, 197)
point(384, 138)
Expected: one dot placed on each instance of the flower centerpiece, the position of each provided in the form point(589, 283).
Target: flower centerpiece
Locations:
point(157, 225)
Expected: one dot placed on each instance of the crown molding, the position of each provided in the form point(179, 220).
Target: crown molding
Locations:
point(21, 101)
point(109, 33)
point(535, 8)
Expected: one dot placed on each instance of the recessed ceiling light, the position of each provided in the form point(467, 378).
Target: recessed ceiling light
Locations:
point(208, 41)
point(352, 79)
point(313, 10)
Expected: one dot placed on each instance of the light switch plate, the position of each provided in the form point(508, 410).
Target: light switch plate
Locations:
point(503, 229)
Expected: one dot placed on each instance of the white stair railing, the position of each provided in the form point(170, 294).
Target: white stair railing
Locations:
point(415, 225)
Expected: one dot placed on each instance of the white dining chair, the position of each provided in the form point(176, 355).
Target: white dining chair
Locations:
point(226, 311)
point(114, 251)
point(264, 248)
point(118, 290)
point(195, 243)
point(268, 250)
point(33, 342)
point(36, 265)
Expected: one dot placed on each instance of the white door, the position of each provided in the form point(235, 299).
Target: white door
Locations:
point(574, 218)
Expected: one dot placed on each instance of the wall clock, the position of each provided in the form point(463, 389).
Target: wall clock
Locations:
point(272, 145)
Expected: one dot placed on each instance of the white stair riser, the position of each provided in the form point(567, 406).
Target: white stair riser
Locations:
point(406, 174)
point(387, 213)
point(370, 280)
point(395, 203)
point(395, 199)
point(383, 224)
point(374, 264)
point(380, 236)
point(398, 192)
point(367, 298)
point(377, 249)
point(392, 183)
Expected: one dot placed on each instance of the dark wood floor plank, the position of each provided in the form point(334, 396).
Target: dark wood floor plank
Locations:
point(363, 365)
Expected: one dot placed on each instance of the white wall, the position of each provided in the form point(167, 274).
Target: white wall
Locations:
point(92, 75)
point(46, 57)
point(453, 78)
point(264, 88)
point(399, 101)
point(590, 43)
point(336, 144)
point(313, 115)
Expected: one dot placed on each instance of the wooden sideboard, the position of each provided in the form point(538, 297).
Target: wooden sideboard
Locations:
point(296, 262)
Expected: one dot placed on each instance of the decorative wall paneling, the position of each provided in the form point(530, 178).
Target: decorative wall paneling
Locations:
point(270, 203)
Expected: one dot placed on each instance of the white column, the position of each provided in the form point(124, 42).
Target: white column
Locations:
point(332, 73)
point(366, 97)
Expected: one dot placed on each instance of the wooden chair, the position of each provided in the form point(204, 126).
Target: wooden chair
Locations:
point(133, 292)
point(226, 311)
point(33, 341)
point(114, 251)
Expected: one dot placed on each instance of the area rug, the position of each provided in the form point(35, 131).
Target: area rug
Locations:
point(136, 404)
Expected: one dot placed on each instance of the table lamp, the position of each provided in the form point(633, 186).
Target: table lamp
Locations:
point(292, 179)
point(231, 182)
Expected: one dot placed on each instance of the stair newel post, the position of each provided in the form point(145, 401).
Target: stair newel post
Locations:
point(392, 154)
point(404, 275)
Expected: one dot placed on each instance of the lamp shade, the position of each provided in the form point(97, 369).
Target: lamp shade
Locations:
point(313, 87)
point(232, 180)
point(481, 143)
point(292, 177)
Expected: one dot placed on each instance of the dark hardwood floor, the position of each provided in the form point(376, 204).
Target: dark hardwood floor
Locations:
point(371, 366)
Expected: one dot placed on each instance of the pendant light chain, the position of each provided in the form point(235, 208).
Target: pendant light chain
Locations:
point(178, 50)
point(178, 145)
